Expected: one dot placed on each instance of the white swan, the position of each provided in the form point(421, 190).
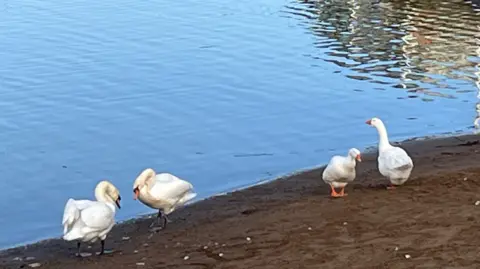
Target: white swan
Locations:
point(88, 221)
point(393, 162)
point(340, 171)
point(164, 192)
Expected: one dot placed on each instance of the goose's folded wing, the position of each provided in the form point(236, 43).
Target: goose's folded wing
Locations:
point(397, 159)
point(335, 166)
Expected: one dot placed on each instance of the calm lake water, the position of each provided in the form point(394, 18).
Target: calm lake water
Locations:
point(222, 93)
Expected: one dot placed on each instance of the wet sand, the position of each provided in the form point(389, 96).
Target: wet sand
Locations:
point(293, 223)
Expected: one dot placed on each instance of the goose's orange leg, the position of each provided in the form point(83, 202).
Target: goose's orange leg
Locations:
point(334, 192)
point(391, 187)
point(342, 192)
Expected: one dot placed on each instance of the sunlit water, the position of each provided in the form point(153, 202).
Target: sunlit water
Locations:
point(222, 93)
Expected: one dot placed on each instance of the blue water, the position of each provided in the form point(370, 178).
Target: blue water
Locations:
point(221, 93)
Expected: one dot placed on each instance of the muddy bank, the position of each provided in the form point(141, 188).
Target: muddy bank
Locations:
point(431, 222)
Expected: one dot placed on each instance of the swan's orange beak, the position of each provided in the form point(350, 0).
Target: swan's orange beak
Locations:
point(136, 192)
point(359, 158)
point(369, 122)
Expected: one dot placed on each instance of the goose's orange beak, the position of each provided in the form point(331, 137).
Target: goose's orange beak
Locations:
point(359, 158)
point(369, 122)
point(136, 192)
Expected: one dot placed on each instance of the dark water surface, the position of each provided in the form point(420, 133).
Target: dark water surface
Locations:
point(222, 93)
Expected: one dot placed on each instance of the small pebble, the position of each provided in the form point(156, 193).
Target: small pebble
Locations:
point(135, 251)
point(345, 223)
point(407, 256)
point(186, 258)
point(35, 265)
point(29, 258)
point(396, 248)
point(465, 179)
point(145, 245)
point(89, 247)
point(205, 247)
point(220, 254)
point(249, 239)
point(309, 228)
point(477, 203)
point(216, 244)
point(140, 263)
point(85, 254)
point(223, 245)
point(17, 259)
point(125, 238)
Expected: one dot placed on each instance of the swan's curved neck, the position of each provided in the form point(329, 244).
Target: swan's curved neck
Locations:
point(101, 195)
point(146, 178)
point(383, 137)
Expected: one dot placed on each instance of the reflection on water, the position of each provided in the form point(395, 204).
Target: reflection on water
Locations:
point(222, 93)
point(429, 48)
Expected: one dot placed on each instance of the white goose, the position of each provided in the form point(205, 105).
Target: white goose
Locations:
point(164, 192)
point(88, 221)
point(340, 171)
point(393, 162)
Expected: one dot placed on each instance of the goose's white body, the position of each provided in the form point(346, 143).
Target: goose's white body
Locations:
point(340, 171)
point(88, 221)
point(393, 162)
point(164, 191)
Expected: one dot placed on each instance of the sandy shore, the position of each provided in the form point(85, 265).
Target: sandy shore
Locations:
point(292, 223)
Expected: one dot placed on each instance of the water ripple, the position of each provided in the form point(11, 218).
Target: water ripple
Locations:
point(420, 46)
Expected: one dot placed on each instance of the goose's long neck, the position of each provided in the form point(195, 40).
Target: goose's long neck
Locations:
point(383, 142)
point(350, 161)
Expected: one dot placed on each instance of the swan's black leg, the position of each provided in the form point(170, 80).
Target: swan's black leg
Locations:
point(161, 220)
point(103, 247)
point(78, 249)
point(162, 217)
point(164, 221)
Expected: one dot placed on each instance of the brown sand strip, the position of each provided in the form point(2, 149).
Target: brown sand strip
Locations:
point(292, 223)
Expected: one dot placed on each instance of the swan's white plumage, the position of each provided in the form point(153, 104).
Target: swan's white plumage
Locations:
point(163, 191)
point(393, 162)
point(88, 221)
point(71, 213)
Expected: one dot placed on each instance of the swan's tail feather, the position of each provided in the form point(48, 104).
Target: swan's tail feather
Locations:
point(189, 196)
point(73, 234)
point(70, 214)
